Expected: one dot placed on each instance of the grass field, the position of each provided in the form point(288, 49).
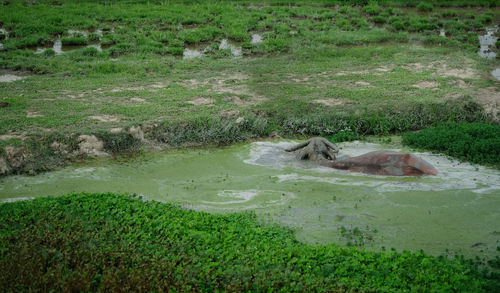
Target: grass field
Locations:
point(319, 69)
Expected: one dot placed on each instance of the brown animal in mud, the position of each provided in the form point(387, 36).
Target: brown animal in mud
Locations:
point(383, 162)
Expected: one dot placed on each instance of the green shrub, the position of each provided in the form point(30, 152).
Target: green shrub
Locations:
point(179, 51)
point(473, 142)
point(74, 41)
point(109, 242)
point(346, 135)
point(486, 18)
point(449, 13)
point(372, 9)
point(425, 6)
point(94, 37)
point(379, 19)
point(398, 25)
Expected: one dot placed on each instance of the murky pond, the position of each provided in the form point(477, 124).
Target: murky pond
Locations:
point(457, 210)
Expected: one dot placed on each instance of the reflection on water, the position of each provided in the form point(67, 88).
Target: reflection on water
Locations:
point(227, 45)
point(256, 38)
point(191, 53)
point(454, 210)
point(496, 74)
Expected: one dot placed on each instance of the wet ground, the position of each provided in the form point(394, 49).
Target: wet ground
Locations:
point(457, 210)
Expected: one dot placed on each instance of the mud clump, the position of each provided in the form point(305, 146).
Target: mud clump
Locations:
point(4, 104)
point(4, 167)
point(91, 146)
point(16, 156)
point(60, 148)
point(136, 132)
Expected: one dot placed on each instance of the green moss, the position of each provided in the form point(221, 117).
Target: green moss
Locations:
point(108, 242)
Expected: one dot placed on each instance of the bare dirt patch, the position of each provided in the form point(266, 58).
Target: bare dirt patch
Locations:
point(465, 72)
point(201, 101)
point(426, 85)
point(12, 136)
point(229, 114)
point(329, 102)
point(362, 83)
point(33, 114)
point(460, 84)
point(139, 100)
point(152, 87)
point(232, 84)
point(105, 118)
point(489, 98)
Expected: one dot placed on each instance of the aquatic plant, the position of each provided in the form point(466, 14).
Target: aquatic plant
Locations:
point(109, 242)
point(473, 142)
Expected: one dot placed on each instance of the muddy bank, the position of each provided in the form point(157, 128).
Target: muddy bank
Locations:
point(38, 153)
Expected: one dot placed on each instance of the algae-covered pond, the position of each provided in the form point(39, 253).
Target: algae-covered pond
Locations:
point(458, 210)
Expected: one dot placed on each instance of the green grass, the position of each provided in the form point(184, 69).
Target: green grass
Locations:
point(106, 242)
point(364, 62)
point(473, 142)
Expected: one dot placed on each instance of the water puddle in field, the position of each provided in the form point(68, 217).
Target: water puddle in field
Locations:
point(190, 53)
point(236, 50)
point(256, 39)
point(496, 74)
point(487, 43)
point(10, 77)
point(457, 210)
point(59, 48)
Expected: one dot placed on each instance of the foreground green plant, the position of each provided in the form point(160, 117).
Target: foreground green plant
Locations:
point(473, 142)
point(106, 242)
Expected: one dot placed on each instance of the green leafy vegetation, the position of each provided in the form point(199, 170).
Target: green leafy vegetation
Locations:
point(473, 142)
point(425, 6)
point(106, 242)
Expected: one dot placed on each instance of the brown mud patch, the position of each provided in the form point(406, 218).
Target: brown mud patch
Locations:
point(33, 114)
point(105, 118)
point(426, 85)
point(229, 114)
point(231, 84)
point(201, 101)
point(362, 83)
point(329, 102)
point(489, 98)
point(445, 70)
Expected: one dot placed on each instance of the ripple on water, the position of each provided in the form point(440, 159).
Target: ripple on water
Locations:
point(245, 199)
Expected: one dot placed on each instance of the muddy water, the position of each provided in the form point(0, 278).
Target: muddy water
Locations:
point(457, 210)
